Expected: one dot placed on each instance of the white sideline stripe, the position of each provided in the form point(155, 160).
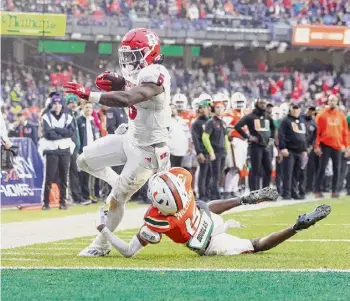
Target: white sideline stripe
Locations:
point(49, 249)
point(20, 259)
point(318, 240)
point(179, 270)
point(35, 254)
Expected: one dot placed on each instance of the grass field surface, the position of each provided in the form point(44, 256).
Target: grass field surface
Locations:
point(324, 246)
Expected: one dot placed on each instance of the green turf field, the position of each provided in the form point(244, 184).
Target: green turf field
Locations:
point(324, 246)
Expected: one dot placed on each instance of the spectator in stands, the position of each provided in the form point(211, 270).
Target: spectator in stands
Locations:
point(56, 146)
point(21, 128)
point(331, 141)
point(180, 140)
point(88, 132)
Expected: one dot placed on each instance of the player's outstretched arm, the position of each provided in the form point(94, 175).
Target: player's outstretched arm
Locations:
point(128, 98)
point(126, 249)
point(119, 99)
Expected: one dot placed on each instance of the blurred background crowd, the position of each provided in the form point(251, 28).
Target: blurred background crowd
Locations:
point(328, 12)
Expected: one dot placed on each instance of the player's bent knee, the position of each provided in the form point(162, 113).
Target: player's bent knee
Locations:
point(81, 162)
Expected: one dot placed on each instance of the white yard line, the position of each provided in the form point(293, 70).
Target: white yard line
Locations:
point(180, 269)
point(49, 230)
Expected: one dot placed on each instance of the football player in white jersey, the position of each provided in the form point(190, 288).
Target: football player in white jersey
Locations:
point(143, 147)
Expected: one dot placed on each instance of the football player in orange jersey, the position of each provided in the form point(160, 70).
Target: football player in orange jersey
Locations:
point(238, 144)
point(175, 214)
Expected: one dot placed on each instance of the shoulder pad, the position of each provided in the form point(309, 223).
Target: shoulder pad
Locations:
point(155, 74)
point(149, 235)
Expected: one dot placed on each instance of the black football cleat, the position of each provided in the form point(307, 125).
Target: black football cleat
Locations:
point(267, 194)
point(306, 220)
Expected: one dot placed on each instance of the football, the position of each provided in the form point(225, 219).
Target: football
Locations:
point(118, 81)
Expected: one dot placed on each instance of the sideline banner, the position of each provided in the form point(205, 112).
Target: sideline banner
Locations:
point(33, 24)
point(321, 36)
point(23, 183)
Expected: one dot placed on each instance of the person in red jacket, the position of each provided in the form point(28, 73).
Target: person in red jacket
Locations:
point(331, 141)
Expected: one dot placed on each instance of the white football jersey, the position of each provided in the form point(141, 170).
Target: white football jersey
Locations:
point(149, 121)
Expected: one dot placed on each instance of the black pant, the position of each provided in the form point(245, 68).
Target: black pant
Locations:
point(204, 180)
point(312, 168)
point(279, 177)
point(328, 152)
point(217, 167)
point(84, 178)
point(291, 170)
point(74, 181)
point(56, 167)
point(175, 161)
point(302, 182)
point(343, 171)
point(260, 157)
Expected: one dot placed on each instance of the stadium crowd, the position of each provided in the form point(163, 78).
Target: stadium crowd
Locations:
point(306, 93)
point(328, 12)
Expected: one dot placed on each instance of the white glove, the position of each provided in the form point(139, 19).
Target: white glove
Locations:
point(122, 129)
point(101, 217)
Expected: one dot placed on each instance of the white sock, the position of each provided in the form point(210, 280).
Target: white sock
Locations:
point(228, 181)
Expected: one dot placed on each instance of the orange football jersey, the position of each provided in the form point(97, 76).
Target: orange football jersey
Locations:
point(231, 118)
point(181, 226)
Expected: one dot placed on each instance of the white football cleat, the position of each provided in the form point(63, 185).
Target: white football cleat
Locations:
point(94, 250)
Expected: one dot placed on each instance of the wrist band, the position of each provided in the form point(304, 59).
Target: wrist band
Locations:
point(95, 97)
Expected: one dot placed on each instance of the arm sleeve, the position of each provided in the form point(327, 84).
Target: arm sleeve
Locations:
point(206, 142)
point(49, 133)
point(239, 127)
point(282, 135)
point(196, 138)
point(227, 144)
point(68, 131)
point(124, 248)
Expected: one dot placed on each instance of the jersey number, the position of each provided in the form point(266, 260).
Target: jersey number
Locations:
point(132, 112)
point(193, 222)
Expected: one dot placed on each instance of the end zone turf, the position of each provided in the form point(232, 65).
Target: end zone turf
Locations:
point(173, 285)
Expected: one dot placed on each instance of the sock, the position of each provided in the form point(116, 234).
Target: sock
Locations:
point(106, 174)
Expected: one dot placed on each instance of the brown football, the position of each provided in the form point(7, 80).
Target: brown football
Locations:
point(118, 81)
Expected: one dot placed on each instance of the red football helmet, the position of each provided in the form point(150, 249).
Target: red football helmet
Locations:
point(139, 48)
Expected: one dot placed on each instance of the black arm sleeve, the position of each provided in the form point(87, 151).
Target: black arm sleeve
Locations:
point(239, 125)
